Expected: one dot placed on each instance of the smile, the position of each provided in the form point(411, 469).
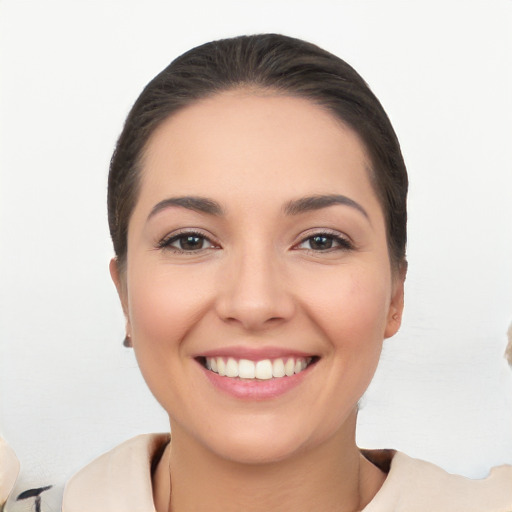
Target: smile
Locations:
point(264, 369)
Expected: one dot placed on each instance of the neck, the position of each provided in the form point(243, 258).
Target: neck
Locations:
point(332, 477)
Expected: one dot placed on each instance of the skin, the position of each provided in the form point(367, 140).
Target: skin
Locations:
point(259, 282)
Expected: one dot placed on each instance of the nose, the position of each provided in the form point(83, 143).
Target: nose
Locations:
point(254, 292)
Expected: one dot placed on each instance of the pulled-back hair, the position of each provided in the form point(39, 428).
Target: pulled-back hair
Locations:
point(279, 64)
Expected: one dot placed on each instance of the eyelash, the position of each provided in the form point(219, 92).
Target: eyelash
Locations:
point(166, 243)
point(341, 243)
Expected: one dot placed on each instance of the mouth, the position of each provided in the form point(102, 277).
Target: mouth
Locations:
point(263, 369)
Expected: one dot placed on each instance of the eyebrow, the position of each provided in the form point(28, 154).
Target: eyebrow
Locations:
point(317, 202)
point(294, 207)
point(196, 203)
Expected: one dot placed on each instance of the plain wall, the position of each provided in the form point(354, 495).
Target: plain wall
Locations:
point(71, 70)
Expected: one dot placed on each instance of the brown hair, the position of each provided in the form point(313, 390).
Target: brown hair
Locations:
point(273, 62)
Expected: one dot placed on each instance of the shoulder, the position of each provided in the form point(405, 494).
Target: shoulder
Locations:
point(419, 486)
point(117, 480)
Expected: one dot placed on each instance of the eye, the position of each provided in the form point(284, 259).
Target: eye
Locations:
point(324, 242)
point(186, 242)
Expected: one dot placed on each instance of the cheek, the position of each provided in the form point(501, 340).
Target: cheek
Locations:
point(164, 304)
point(351, 307)
point(165, 307)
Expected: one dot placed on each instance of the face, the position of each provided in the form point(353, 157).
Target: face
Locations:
point(258, 287)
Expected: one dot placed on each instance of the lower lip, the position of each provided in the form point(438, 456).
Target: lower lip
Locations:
point(254, 389)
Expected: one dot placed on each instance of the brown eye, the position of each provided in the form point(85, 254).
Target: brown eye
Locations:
point(190, 242)
point(186, 243)
point(323, 242)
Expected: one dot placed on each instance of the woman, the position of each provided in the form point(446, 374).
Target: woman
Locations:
point(257, 206)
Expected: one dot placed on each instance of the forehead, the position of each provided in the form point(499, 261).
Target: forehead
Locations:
point(241, 141)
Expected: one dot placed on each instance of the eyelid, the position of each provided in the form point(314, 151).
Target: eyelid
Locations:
point(166, 241)
point(345, 242)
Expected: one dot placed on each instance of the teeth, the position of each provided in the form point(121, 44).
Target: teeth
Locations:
point(246, 369)
point(221, 366)
point(300, 364)
point(289, 367)
point(231, 368)
point(262, 370)
point(278, 368)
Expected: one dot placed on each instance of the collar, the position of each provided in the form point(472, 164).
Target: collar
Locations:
point(121, 480)
point(117, 480)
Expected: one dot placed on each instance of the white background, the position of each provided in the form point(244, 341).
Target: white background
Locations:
point(70, 71)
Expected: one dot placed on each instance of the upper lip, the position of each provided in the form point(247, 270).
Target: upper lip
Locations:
point(255, 353)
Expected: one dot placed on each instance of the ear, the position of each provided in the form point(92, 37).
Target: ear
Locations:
point(120, 284)
point(396, 306)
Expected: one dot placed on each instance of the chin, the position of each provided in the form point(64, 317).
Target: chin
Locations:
point(258, 449)
point(267, 439)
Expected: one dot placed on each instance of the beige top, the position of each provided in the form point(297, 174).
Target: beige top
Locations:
point(120, 481)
